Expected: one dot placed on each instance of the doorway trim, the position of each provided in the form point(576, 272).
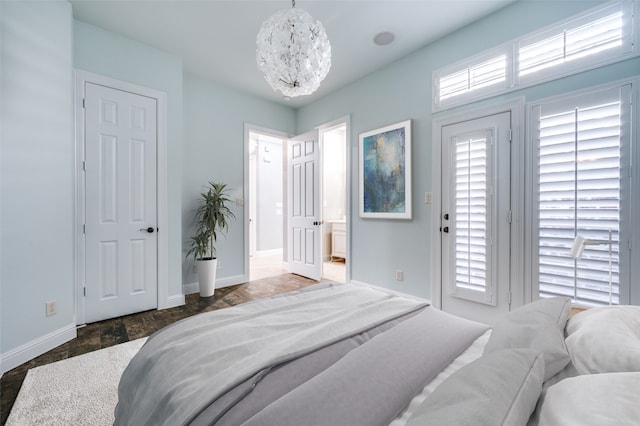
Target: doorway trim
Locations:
point(322, 129)
point(248, 128)
point(516, 107)
point(82, 77)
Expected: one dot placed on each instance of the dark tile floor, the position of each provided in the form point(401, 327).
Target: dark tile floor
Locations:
point(111, 332)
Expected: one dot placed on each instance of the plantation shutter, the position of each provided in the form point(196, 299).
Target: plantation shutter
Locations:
point(471, 213)
point(579, 193)
point(474, 77)
point(584, 40)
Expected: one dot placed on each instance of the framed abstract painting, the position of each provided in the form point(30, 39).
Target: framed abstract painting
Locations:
point(385, 172)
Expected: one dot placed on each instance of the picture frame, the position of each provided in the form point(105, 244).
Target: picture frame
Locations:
point(385, 172)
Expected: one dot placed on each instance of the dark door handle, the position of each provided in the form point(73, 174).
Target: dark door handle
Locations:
point(445, 229)
point(149, 229)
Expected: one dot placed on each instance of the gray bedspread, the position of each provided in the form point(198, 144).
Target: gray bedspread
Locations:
point(336, 354)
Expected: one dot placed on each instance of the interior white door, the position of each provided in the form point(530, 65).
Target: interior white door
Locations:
point(304, 212)
point(120, 203)
point(475, 217)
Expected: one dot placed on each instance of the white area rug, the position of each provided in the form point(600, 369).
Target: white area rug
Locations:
point(82, 390)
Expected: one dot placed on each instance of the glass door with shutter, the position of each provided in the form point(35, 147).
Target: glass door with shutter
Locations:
point(582, 184)
point(475, 217)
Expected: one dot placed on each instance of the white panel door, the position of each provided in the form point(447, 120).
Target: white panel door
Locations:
point(475, 217)
point(121, 207)
point(304, 221)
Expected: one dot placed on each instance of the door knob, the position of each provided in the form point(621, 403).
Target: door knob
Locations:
point(149, 229)
point(445, 229)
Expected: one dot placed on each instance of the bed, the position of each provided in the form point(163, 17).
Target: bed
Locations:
point(342, 354)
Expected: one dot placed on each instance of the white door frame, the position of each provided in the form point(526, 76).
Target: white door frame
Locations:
point(248, 128)
point(516, 107)
point(82, 77)
point(346, 122)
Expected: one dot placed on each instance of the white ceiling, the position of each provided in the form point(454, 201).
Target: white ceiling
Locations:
point(216, 39)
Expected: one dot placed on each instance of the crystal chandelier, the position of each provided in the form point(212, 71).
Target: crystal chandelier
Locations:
point(293, 52)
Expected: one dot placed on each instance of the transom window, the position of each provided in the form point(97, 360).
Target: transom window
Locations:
point(598, 37)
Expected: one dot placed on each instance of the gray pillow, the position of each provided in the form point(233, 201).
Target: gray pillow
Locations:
point(500, 388)
point(538, 326)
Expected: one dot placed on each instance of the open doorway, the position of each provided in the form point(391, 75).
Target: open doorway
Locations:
point(266, 203)
point(266, 241)
point(334, 202)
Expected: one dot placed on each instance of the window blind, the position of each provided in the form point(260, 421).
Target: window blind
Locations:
point(474, 77)
point(603, 35)
point(471, 213)
point(571, 44)
point(579, 194)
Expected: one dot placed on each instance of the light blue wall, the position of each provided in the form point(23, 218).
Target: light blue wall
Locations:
point(214, 151)
point(103, 52)
point(36, 171)
point(403, 91)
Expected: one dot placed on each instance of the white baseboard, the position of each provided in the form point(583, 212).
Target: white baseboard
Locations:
point(388, 290)
point(37, 347)
point(191, 288)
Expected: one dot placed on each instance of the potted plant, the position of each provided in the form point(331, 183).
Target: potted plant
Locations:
point(211, 218)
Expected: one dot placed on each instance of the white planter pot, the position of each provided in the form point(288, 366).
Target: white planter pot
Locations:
point(207, 276)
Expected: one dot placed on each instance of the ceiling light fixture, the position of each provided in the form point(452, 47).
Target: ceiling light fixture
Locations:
point(293, 52)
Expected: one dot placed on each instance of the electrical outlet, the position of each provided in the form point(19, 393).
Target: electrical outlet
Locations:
point(51, 308)
point(428, 197)
point(195, 268)
point(399, 275)
point(218, 265)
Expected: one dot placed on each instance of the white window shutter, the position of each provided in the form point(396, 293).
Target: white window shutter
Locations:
point(472, 198)
point(579, 193)
point(571, 44)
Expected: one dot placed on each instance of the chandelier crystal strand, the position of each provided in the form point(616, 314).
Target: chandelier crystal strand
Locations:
point(293, 52)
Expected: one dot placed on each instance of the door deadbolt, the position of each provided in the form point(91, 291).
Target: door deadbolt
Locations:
point(446, 216)
point(445, 229)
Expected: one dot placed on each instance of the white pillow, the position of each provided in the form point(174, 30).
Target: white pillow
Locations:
point(597, 399)
point(538, 326)
point(605, 340)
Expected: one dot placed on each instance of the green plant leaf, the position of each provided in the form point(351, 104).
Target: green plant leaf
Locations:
point(211, 217)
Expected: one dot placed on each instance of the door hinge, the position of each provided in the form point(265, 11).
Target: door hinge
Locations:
point(630, 244)
point(509, 135)
point(84, 291)
point(84, 228)
point(84, 103)
point(509, 298)
point(84, 166)
point(509, 216)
